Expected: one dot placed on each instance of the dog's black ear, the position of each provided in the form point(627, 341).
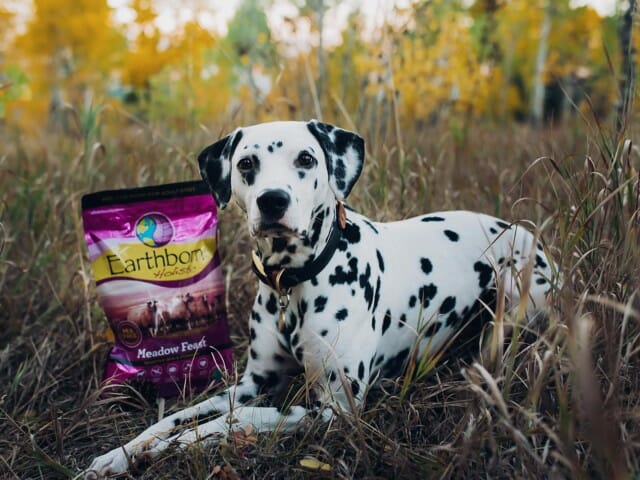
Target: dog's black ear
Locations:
point(215, 167)
point(344, 153)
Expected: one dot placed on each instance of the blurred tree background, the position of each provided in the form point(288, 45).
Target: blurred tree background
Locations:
point(419, 62)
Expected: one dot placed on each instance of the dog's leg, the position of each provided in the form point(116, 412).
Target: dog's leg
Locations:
point(262, 419)
point(155, 437)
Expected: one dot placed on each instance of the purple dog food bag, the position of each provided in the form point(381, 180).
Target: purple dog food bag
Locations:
point(154, 253)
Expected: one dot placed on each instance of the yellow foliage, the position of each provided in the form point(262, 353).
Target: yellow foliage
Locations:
point(442, 77)
point(425, 64)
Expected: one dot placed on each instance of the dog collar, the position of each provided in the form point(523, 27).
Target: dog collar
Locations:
point(283, 279)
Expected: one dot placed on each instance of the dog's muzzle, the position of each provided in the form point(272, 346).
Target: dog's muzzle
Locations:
point(273, 205)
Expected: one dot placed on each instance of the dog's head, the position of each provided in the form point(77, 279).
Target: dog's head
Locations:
point(281, 172)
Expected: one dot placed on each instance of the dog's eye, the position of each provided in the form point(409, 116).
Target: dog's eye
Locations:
point(305, 160)
point(245, 164)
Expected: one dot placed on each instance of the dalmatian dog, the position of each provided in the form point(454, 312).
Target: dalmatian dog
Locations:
point(342, 299)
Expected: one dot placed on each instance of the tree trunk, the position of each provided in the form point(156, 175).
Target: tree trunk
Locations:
point(537, 98)
point(321, 66)
point(627, 77)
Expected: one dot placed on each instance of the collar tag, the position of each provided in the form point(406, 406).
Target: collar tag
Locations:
point(283, 304)
point(342, 215)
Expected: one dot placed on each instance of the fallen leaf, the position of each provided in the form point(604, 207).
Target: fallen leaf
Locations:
point(314, 464)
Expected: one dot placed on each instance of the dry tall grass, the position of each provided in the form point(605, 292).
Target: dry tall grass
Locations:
point(559, 399)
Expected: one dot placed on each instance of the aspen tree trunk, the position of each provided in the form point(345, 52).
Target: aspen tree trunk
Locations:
point(628, 74)
point(537, 97)
point(319, 5)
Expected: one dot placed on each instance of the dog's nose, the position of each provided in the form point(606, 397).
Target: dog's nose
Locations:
point(273, 204)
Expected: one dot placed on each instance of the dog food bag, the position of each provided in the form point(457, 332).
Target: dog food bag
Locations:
point(158, 278)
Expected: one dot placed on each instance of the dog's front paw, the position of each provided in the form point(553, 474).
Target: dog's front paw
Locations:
point(111, 463)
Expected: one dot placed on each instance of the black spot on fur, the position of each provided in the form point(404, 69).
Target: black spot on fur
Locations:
point(376, 296)
point(278, 245)
point(432, 219)
point(319, 303)
point(289, 326)
point(245, 398)
point(333, 376)
point(451, 235)
point(470, 324)
point(355, 387)
point(267, 381)
point(395, 364)
point(485, 273)
point(323, 333)
point(448, 304)
point(342, 314)
point(252, 333)
point(340, 174)
point(540, 263)
point(279, 358)
point(286, 260)
point(403, 320)
point(426, 266)
point(493, 230)
point(373, 323)
point(293, 321)
point(270, 148)
point(341, 277)
point(299, 354)
point(453, 320)
point(386, 322)
point(503, 225)
point(432, 329)
point(361, 370)
point(256, 316)
point(253, 353)
point(272, 305)
point(352, 233)
point(426, 294)
point(316, 229)
point(371, 226)
point(412, 301)
point(380, 260)
point(302, 311)
point(541, 281)
point(365, 284)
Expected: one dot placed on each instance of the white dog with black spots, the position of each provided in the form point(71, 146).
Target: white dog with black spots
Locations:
point(342, 299)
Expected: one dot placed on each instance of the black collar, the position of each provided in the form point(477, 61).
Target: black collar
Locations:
point(283, 279)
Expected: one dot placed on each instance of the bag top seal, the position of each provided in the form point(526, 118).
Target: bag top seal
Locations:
point(134, 195)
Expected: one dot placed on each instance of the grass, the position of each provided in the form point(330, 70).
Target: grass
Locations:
point(557, 399)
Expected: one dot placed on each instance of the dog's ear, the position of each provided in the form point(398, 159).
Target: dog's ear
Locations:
point(344, 153)
point(215, 167)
